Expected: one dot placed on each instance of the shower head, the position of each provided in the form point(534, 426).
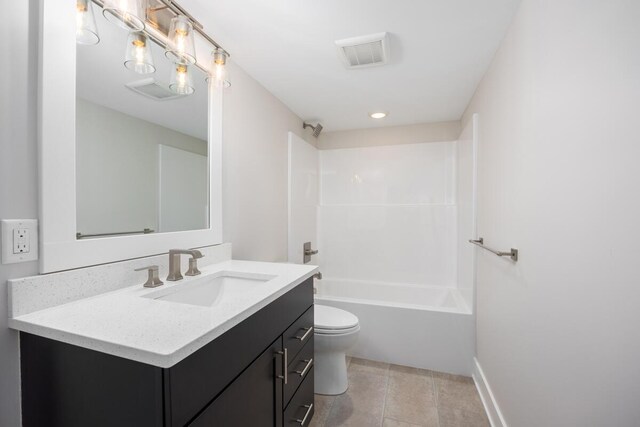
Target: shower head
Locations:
point(316, 129)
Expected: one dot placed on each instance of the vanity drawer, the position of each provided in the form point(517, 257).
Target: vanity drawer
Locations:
point(298, 369)
point(301, 408)
point(299, 333)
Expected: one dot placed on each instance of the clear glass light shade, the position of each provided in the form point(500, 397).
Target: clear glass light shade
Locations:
point(219, 76)
point(127, 14)
point(181, 80)
point(181, 47)
point(86, 30)
point(138, 55)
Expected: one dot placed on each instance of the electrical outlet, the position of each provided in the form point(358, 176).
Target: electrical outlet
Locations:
point(19, 240)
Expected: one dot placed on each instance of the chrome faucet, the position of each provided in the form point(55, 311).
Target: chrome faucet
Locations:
point(174, 263)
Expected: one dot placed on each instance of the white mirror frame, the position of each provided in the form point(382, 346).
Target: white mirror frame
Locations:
point(59, 248)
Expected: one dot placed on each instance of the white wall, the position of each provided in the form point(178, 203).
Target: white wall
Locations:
point(255, 127)
point(107, 141)
point(18, 176)
point(557, 333)
point(388, 213)
point(466, 212)
point(304, 196)
point(390, 135)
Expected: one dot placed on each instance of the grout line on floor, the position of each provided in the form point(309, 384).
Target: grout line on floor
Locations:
point(328, 417)
point(386, 394)
point(331, 405)
point(435, 394)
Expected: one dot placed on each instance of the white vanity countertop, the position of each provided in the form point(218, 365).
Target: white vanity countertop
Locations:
point(160, 333)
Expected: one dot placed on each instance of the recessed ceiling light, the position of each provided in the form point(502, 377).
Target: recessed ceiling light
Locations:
point(379, 115)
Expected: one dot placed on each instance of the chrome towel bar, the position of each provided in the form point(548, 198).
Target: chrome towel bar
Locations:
point(513, 253)
point(117, 233)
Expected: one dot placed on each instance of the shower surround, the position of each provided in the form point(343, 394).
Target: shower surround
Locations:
point(392, 222)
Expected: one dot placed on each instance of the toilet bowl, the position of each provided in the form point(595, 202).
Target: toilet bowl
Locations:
point(335, 331)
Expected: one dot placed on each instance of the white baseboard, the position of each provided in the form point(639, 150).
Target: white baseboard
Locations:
point(488, 400)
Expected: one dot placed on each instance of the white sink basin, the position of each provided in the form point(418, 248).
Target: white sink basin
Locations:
point(211, 290)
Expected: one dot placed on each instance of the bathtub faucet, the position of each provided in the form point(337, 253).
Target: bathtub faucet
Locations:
point(318, 276)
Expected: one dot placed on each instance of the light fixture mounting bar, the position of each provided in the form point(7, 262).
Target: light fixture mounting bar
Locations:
point(156, 7)
point(179, 10)
point(176, 9)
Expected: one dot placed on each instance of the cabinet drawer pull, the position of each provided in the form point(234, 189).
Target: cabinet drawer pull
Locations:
point(306, 334)
point(306, 368)
point(306, 415)
point(285, 363)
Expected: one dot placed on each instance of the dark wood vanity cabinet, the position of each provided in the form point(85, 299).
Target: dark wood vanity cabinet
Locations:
point(250, 400)
point(236, 380)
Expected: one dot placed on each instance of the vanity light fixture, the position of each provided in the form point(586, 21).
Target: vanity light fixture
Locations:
point(127, 14)
point(181, 80)
point(219, 72)
point(138, 54)
point(86, 30)
point(378, 115)
point(181, 47)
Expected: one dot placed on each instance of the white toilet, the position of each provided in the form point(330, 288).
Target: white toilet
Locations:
point(335, 331)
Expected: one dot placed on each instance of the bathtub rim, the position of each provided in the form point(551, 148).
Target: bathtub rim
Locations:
point(458, 310)
point(461, 305)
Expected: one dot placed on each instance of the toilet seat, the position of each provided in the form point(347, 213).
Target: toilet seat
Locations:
point(319, 331)
point(333, 321)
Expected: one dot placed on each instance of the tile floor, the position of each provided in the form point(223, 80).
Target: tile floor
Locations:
point(386, 395)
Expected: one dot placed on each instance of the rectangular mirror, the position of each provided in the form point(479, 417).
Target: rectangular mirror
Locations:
point(141, 148)
point(128, 167)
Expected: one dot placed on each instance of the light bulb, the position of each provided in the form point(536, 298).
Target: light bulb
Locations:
point(127, 14)
point(181, 47)
point(181, 80)
point(181, 76)
point(180, 39)
point(138, 54)
point(81, 13)
point(220, 75)
point(86, 30)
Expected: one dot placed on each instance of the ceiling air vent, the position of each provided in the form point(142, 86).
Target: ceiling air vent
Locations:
point(153, 89)
point(364, 51)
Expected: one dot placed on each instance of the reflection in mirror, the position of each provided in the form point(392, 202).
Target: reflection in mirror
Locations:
point(141, 148)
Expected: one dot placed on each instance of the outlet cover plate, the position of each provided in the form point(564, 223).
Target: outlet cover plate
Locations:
point(12, 227)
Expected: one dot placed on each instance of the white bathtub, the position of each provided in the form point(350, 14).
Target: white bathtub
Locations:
point(427, 327)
